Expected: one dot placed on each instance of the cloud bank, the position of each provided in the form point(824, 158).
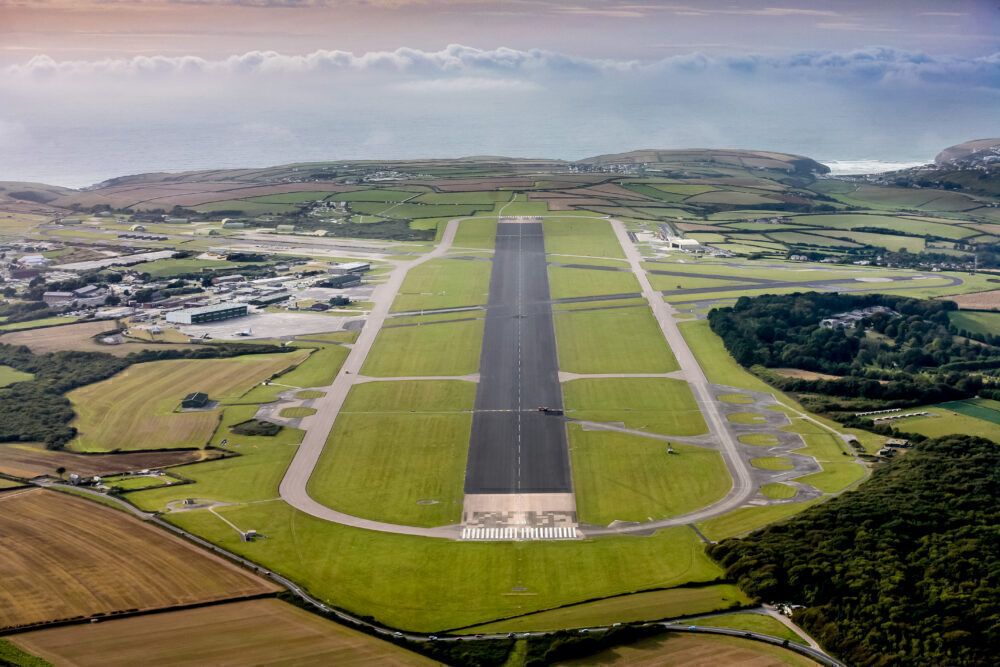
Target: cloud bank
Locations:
point(872, 65)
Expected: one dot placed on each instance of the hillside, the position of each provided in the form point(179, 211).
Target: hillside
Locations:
point(970, 154)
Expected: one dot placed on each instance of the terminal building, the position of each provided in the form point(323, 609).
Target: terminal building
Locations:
point(220, 311)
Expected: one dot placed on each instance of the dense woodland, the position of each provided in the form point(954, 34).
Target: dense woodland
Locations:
point(910, 356)
point(903, 571)
point(38, 411)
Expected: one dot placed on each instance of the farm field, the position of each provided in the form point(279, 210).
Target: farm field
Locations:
point(32, 460)
point(335, 563)
point(985, 300)
point(252, 476)
point(658, 405)
point(70, 557)
point(450, 348)
point(620, 477)
point(255, 632)
point(36, 324)
point(673, 649)
point(135, 409)
point(618, 340)
point(397, 452)
point(943, 421)
point(972, 321)
point(648, 606)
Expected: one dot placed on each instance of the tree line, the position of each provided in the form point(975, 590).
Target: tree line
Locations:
point(903, 571)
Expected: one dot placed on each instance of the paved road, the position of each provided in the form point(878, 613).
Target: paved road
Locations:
point(743, 487)
point(513, 447)
point(772, 284)
point(293, 486)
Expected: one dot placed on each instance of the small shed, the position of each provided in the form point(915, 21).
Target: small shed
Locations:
point(198, 399)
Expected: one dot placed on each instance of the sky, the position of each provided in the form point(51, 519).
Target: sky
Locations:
point(94, 89)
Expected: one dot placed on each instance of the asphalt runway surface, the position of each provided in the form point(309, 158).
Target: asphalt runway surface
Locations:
point(514, 448)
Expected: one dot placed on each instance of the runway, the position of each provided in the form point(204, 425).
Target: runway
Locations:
point(514, 448)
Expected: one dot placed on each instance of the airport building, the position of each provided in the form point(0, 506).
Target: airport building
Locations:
point(350, 267)
point(220, 311)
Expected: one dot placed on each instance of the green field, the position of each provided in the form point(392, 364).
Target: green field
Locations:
point(891, 242)
point(746, 418)
point(636, 608)
point(476, 233)
point(619, 340)
point(433, 349)
point(430, 585)
point(9, 376)
point(135, 409)
point(253, 476)
point(718, 364)
point(760, 623)
point(778, 491)
point(297, 412)
point(580, 236)
point(980, 408)
point(658, 405)
point(631, 478)
point(759, 439)
point(840, 469)
point(165, 268)
point(571, 282)
point(35, 324)
point(976, 322)
point(772, 463)
point(317, 370)
point(444, 283)
point(745, 519)
point(942, 421)
point(397, 452)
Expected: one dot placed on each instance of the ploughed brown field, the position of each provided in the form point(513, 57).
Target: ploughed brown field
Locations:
point(63, 557)
point(978, 301)
point(80, 336)
point(33, 460)
point(255, 632)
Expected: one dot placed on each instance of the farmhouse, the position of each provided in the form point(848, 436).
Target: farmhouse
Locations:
point(195, 400)
point(221, 311)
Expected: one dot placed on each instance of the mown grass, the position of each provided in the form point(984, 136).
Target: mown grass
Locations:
point(760, 623)
point(476, 233)
point(715, 360)
point(571, 282)
point(444, 283)
point(772, 463)
point(297, 412)
point(759, 439)
point(397, 452)
point(778, 491)
point(429, 585)
point(741, 399)
point(580, 236)
point(136, 409)
point(434, 349)
point(659, 405)
point(947, 422)
point(840, 469)
point(630, 478)
point(634, 608)
point(621, 340)
point(745, 519)
point(746, 418)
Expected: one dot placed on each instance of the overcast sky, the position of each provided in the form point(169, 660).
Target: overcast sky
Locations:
point(94, 89)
